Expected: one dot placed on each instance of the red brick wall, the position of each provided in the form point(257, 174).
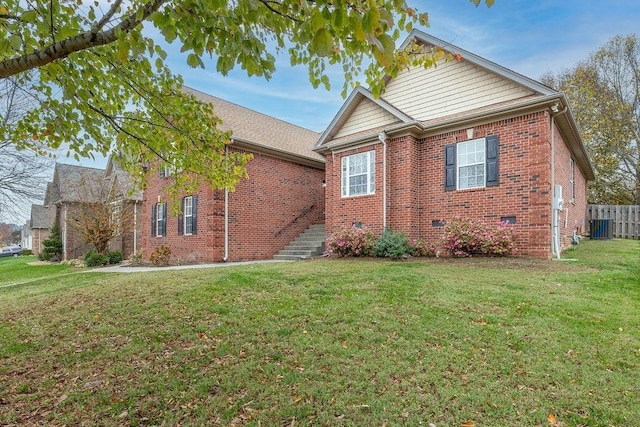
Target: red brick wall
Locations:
point(269, 209)
point(38, 236)
point(573, 216)
point(415, 183)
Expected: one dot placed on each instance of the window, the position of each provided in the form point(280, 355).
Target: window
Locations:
point(165, 170)
point(572, 179)
point(159, 219)
point(471, 164)
point(358, 174)
point(187, 224)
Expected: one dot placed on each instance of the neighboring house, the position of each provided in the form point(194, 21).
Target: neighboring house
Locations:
point(127, 205)
point(26, 240)
point(71, 190)
point(467, 138)
point(39, 227)
point(282, 196)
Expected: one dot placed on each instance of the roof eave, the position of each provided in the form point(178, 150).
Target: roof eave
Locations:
point(274, 152)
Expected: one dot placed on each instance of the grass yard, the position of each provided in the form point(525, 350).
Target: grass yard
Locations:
point(453, 342)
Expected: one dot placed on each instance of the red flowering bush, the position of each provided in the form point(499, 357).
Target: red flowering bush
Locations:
point(467, 237)
point(351, 241)
point(424, 249)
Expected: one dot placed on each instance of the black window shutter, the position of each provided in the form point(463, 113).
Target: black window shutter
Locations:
point(164, 219)
point(450, 167)
point(181, 218)
point(492, 161)
point(161, 170)
point(153, 220)
point(194, 213)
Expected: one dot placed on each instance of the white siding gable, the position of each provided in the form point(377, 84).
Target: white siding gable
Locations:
point(366, 115)
point(450, 88)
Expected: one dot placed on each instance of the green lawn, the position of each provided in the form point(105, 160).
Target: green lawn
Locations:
point(496, 342)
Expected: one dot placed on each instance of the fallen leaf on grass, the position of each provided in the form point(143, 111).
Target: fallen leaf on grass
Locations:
point(468, 424)
point(552, 420)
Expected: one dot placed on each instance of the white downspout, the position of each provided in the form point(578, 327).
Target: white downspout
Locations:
point(226, 216)
point(64, 241)
point(382, 136)
point(135, 227)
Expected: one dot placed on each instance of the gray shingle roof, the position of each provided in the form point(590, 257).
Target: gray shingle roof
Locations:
point(249, 126)
point(39, 217)
point(73, 183)
point(120, 180)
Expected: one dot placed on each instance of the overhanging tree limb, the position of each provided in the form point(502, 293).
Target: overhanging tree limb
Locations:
point(86, 40)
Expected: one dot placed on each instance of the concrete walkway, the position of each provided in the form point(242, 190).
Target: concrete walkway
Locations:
point(125, 268)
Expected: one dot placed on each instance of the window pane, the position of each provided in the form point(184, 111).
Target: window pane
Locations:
point(358, 174)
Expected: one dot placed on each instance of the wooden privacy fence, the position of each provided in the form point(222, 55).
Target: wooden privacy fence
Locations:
point(625, 219)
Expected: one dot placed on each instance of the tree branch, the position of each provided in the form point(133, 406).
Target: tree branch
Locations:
point(88, 39)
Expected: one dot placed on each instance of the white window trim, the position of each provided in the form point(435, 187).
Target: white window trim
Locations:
point(159, 209)
point(370, 173)
point(572, 178)
point(188, 216)
point(460, 166)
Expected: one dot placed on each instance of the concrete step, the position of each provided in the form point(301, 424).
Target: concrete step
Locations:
point(309, 243)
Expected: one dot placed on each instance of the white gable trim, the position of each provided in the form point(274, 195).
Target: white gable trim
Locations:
point(417, 35)
point(356, 96)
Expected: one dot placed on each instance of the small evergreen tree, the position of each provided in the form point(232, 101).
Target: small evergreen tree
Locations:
point(52, 250)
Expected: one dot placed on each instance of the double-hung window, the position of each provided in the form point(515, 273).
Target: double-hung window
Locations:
point(572, 179)
point(358, 174)
point(188, 215)
point(187, 223)
point(471, 164)
point(159, 219)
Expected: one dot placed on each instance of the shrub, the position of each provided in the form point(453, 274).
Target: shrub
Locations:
point(115, 257)
point(94, 259)
point(467, 237)
point(424, 249)
point(137, 258)
point(52, 247)
point(161, 255)
point(351, 241)
point(392, 244)
point(27, 252)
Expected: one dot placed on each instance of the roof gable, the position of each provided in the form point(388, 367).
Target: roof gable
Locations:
point(357, 113)
point(39, 217)
point(73, 183)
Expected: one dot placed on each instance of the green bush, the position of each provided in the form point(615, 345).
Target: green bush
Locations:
point(392, 244)
point(27, 252)
point(94, 259)
point(115, 257)
point(52, 247)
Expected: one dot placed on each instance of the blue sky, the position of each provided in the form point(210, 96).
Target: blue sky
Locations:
point(529, 37)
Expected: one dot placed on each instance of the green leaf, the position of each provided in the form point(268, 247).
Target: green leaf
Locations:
point(123, 50)
point(194, 61)
point(322, 42)
point(16, 42)
point(29, 16)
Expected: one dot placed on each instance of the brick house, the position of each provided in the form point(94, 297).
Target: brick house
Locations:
point(467, 138)
point(38, 227)
point(77, 192)
point(282, 196)
point(71, 188)
point(127, 208)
